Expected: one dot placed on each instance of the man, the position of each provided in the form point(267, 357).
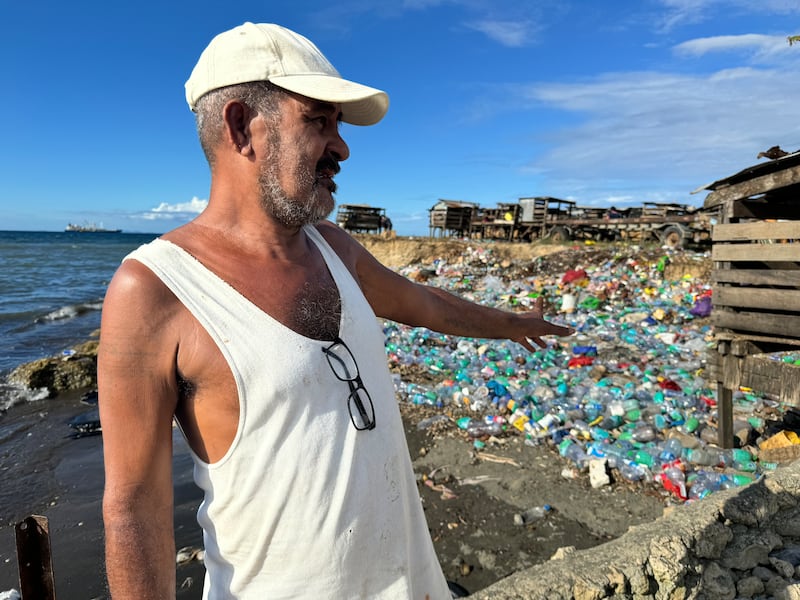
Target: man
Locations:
point(254, 327)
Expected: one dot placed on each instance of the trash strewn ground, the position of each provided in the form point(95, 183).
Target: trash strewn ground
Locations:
point(622, 407)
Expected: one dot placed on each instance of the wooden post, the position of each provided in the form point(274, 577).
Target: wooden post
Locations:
point(34, 558)
point(725, 415)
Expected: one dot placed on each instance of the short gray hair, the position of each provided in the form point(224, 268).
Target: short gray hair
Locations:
point(262, 96)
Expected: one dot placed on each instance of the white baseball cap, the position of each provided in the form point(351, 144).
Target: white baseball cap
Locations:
point(268, 52)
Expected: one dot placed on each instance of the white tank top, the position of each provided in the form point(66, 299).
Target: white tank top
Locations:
point(303, 505)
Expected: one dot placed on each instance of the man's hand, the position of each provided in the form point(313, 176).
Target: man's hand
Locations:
point(534, 327)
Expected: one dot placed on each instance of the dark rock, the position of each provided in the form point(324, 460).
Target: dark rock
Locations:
point(75, 370)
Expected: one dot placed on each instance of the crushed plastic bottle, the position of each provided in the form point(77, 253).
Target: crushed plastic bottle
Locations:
point(670, 450)
point(673, 478)
point(532, 514)
point(702, 483)
point(573, 451)
point(478, 428)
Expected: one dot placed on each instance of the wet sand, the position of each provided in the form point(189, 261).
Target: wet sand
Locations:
point(46, 472)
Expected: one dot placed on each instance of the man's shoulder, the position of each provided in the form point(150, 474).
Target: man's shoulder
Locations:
point(327, 227)
point(336, 235)
point(343, 244)
point(135, 281)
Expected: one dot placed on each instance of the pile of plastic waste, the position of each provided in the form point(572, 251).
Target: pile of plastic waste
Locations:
point(627, 389)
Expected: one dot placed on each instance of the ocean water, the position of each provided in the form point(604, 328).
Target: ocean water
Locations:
point(51, 291)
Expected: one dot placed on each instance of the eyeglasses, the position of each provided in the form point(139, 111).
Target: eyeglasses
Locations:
point(344, 367)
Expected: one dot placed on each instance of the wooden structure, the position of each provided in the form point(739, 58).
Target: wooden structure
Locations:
point(564, 220)
point(560, 220)
point(756, 284)
point(452, 218)
point(498, 223)
point(360, 218)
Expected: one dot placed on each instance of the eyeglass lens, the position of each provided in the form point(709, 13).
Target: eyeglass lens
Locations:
point(361, 410)
point(342, 362)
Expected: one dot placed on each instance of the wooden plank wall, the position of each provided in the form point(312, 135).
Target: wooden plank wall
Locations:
point(768, 375)
point(756, 278)
point(756, 287)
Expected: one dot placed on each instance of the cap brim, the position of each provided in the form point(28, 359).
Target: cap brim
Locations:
point(361, 104)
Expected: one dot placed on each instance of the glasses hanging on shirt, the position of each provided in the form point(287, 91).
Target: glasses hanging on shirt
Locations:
point(344, 367)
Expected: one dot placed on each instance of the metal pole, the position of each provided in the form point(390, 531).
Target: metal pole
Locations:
point(35, 559)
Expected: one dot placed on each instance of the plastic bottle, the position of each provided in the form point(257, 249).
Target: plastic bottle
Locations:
point(690, 425)
point(731, 456)
point(616, 408)
point(660, 422)
point(599, 434)
point(704, 483)
point(670, 450)
point(477, 429)
point(610, 422)
point(548, 422)
point(631, 471)
point(580, 430)
point(745, 465)
point(739, 479)
point(596, 449)
point(479, 399)
point(616, 454)
point(430, 421)
point(532, 514)
point(592, 410)
point(643, 433)
point(673, 479)
point(699, 456)
point(646, 456)
point(573, 451)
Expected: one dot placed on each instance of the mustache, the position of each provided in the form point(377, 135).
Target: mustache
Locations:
point(328, 163)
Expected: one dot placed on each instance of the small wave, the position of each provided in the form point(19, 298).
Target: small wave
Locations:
point(12, 394)
point(69, 312)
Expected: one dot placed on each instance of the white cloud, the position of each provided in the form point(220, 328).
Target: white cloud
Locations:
point(758, 44)
point(661, 134)
point(689, 12)
point(508, 33)
point(195, 205)
point(181, 210)
point(684, 12)
point(509, 22)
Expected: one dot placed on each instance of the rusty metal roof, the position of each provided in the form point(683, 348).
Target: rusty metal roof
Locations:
point(762, 179)
point(763, 168)
point(455, 204)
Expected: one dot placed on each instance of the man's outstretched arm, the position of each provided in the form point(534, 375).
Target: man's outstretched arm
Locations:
point(395, 297)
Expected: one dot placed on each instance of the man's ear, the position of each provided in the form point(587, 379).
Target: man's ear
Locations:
point(236, 116)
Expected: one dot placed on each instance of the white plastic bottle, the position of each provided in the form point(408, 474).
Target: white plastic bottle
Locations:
point(532, 514)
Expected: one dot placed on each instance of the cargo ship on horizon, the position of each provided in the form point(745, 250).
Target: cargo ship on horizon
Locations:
point(90, 228)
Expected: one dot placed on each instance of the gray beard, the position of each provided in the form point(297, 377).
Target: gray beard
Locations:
point(292, 212)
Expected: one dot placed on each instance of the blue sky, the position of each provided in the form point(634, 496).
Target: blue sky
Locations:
point(614, 102)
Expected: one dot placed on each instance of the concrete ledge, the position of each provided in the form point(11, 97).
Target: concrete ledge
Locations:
point(737, 543)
